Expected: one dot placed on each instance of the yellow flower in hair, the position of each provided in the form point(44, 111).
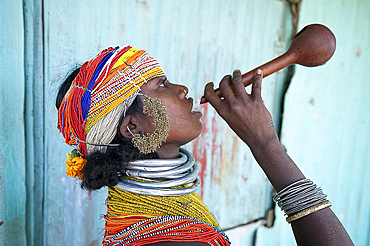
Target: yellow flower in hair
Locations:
point(75, 164)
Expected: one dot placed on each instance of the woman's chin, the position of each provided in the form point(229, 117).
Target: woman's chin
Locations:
point(197, 135)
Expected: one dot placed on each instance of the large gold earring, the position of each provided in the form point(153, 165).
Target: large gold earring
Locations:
point(152, 141)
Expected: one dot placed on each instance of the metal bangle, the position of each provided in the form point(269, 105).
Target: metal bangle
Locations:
point(308, 211)
point(296, 186)
point(176, 172)
point(184, 155)
point(299, 196)
point(159, 192)
point(294, 193)
point(161, 174)
point(168, 183)
point(299, 208)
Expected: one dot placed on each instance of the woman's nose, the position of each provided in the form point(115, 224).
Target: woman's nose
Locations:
point(183, 92)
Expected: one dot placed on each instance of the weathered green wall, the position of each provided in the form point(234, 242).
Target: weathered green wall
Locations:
point(195, 42)
point(326, 123)
point(12, 128)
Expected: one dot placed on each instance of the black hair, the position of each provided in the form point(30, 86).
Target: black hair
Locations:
point(106, 168)
point(63, 88)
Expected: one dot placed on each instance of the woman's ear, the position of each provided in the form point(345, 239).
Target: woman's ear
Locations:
point(130, 122)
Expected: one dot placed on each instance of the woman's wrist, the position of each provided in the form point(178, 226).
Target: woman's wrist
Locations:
point(277, 165)
point(267, 145)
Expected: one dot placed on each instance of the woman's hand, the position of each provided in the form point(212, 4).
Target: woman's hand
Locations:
point(245, 113)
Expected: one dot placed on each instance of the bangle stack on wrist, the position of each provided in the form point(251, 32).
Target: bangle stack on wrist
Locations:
point(300, 199)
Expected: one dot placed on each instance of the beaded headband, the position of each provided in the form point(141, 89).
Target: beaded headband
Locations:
point(105, 87)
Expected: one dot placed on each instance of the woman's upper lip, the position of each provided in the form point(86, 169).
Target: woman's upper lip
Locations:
point(191, 100)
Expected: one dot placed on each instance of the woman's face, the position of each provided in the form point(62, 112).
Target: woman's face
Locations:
point(185, 124)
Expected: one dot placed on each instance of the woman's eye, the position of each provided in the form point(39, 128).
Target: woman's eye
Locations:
point(163, 83)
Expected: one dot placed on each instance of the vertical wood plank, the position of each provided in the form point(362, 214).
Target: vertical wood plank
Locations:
point(233, 185)
point(12, 132)
point(34, 114)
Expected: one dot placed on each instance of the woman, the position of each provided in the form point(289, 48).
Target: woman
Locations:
point(128, 122)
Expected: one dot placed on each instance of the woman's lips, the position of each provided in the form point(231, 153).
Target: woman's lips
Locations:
point(192, 111)
point(196, 113)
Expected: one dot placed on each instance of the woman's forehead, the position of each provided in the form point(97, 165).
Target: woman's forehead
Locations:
point(156, 79)
point(153, 83)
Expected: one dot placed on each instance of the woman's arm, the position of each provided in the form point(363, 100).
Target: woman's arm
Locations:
point(248, 117)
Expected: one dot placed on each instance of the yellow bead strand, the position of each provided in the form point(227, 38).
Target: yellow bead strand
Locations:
point(123, 202)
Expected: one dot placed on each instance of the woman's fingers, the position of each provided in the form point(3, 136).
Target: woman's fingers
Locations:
point(225, 87)
point(237, 83)
point(232, 87)
point(257, 83)
point(211, 96)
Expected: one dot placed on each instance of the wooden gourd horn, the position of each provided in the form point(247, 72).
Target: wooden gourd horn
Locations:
point(313, 46)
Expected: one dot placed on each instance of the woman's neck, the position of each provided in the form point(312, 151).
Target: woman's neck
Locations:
point(168, 151)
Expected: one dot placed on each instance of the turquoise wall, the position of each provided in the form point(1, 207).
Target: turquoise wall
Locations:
point(12, 126)
point(325, 125)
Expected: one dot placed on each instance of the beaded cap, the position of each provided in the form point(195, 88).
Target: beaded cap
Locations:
point(105, 87)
